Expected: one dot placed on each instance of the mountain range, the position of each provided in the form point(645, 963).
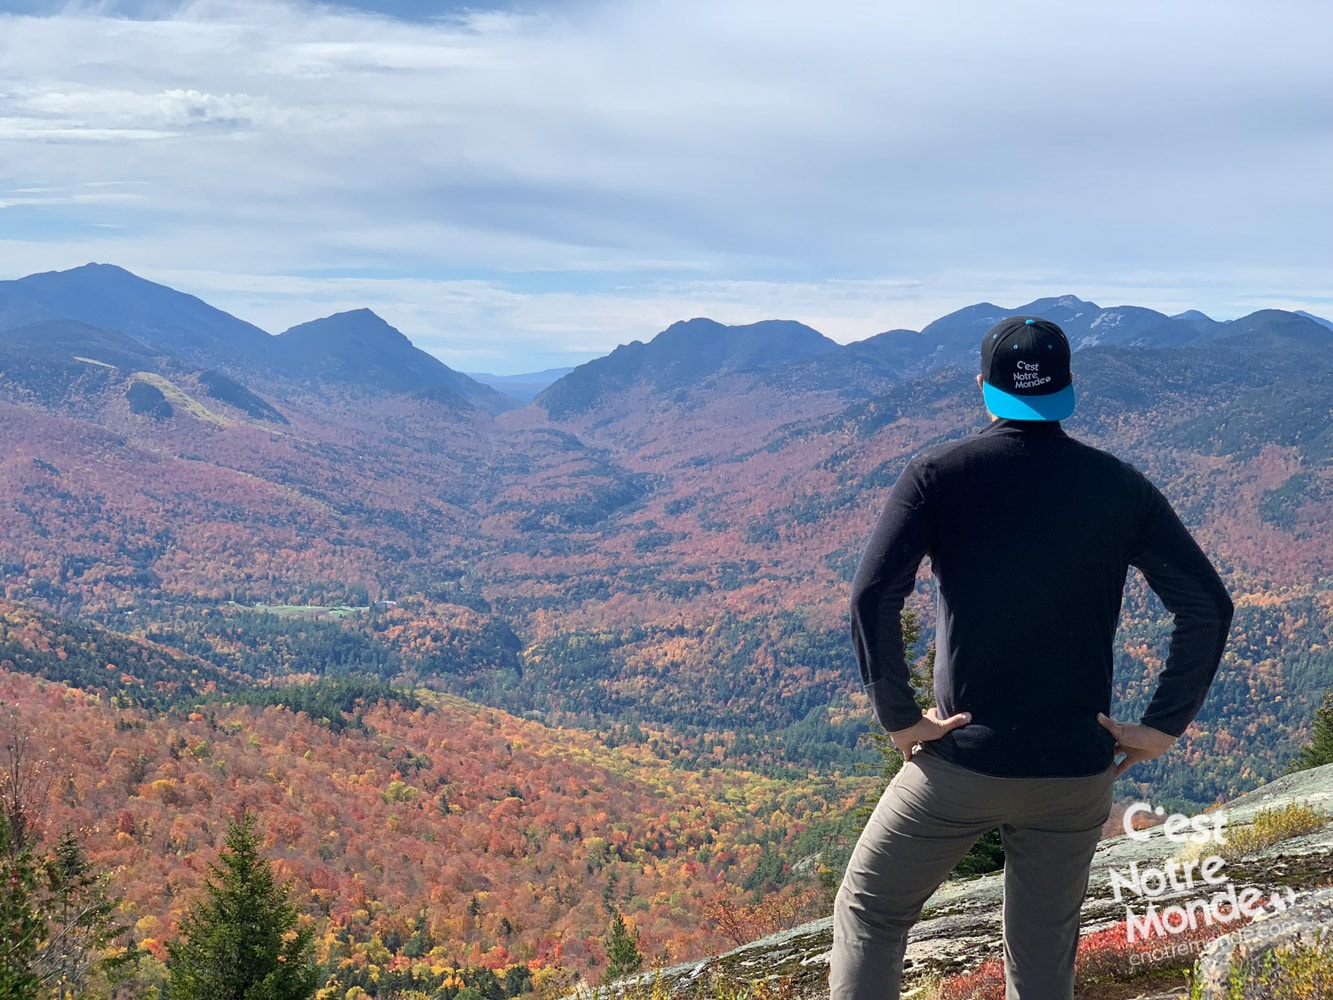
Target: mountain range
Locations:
point(669, 530)
point(358, 348)
point(626, 583)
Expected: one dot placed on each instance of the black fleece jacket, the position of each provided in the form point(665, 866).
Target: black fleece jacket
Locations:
point(1030, 534)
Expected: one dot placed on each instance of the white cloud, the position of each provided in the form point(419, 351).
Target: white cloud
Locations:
point(137, 112)
point(559, 176)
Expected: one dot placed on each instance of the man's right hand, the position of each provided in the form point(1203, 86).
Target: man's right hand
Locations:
point(1136, 741)
point(931, 727)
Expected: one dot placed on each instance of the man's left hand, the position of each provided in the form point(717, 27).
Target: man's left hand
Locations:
point(931, 727)
point(1136, 741)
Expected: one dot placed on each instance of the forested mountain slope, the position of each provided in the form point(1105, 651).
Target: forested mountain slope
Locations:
point(238, 574)
point(429, 841)
point(676, 548)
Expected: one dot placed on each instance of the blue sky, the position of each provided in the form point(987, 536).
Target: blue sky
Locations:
point(525, 185)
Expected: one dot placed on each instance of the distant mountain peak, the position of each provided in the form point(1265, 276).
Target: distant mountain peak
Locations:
point(359, 347)
point(784, 336)
point(1058, 307)
point(364, 312)
point(111, 298)
point(102, 275)
point(356, 347)
point(104, 268)
point(684, 355)
point(349, 322)
point(694, 322)
point(84, 270)
point(1318, 319)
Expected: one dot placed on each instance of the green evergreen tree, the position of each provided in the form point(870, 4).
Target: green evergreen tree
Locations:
point(79, 914)
point(987, 854)
point(623, 957)
point(20, 925)
point(56, 917)
point(923, 683)
point(1320, 748)
point(242, 942)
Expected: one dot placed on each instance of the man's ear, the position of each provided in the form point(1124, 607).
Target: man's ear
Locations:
point(981, 382)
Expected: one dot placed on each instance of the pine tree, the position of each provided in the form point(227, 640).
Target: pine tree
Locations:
point(242, 941)
point(20, 924)
point(987, 854)
point(923, 683)
point(623, 957)
point(80, 919)
point(1320, 748)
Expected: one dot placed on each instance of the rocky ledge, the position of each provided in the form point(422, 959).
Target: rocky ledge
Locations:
point(960, 926)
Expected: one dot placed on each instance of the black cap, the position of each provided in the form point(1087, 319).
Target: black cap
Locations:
point(1025, 365)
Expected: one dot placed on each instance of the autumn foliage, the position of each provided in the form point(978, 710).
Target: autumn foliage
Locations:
point(450, 835)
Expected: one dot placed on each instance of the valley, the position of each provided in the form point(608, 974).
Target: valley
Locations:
point(588, 654)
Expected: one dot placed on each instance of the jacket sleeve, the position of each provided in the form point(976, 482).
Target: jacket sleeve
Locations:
point(1181, 575)
point(885, 577)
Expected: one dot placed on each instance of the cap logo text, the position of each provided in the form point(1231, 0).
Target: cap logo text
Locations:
point(1028, 375)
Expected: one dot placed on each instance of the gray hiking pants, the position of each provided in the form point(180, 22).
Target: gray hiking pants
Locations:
point(929, 816)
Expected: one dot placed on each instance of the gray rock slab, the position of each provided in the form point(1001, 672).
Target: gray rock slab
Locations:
point(1307, 922)
point(961, 922)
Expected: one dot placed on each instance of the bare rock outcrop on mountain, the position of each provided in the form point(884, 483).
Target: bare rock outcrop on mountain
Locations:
point(960, 926)
point(1309, 922)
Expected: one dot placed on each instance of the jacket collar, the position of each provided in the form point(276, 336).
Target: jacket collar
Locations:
point(1002, 426)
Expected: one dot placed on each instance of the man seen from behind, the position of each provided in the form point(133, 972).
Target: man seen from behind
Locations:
point(1030, 534)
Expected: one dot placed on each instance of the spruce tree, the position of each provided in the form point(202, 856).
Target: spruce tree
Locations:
point(242, 942)
point(1320, 748)
point(80, 919)
point(923, 682)
point(987, 854)
point(20, 925)
point(623, 957)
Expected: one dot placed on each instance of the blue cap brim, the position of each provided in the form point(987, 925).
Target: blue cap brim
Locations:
point(1056, 406)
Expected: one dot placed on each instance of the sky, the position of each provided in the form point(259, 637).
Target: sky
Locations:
point(519, 186)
